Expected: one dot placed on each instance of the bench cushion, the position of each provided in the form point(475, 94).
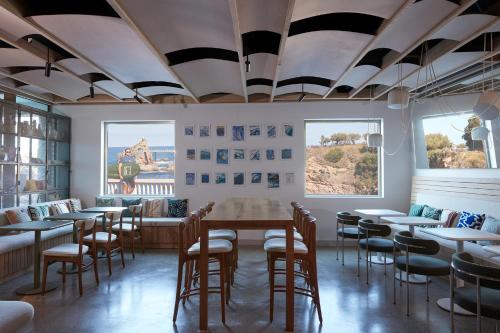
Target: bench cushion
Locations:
point(15, 315)
point(155, 221)
point(12, 242)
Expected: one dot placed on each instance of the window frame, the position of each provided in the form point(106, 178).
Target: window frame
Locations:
point(380, 159)
point(104, 158)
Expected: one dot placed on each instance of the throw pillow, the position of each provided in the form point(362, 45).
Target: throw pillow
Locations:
point(470, 220)
point(58, 209)
point(452, 220)
point(19, 215)
point(492, 225)
point(431, 213)
point(177, 207)
point(416, 210)
point(127, 203)
point(104, 202)
point(153, 207)
point(74, 205)
point(38, 213)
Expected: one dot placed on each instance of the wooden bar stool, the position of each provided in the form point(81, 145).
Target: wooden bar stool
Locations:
point(132, 230)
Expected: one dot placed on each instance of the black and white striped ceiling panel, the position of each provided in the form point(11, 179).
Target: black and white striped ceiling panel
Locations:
point(259, 89)
point(76, 66)
point(390, 75)
point(15, 57)
point(262, 15)
point(298, 88)
point(262, 65)
point(116, 88)
point(34, 89)
point(160, 90)
point(359, 74)
point(12, 25)
point(463, 26)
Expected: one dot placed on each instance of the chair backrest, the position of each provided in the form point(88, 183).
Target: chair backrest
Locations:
point(136, 211)
point(83, 227)
point(310, 233)
point(185, 236)
point(370, 229)
point(465, 268)
point(404, 241)
point(301, 220)
point(347, 218)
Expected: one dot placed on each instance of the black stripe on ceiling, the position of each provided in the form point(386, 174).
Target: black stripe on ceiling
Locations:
point(344, 89)
point(488, 7)
point(260, 82)
point(145, 84)
point(374, 57)
point(63, 54)
point(452, 1)
point(61, 7)
point(95, 77)
point(4, 45)
point(319, 81)
point(260, 42)
point(20, 69)
point(478, 43)
point(416, 55)
point(354, 22)
point(196, 53)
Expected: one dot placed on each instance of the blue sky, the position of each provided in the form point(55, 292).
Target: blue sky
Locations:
point(126, 135)
point(451, 126)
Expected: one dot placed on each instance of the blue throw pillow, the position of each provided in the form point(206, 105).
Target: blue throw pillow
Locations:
point(431, 213)
point(416, 210)
point(470, 220)
point(177, 207)
point(129, 202)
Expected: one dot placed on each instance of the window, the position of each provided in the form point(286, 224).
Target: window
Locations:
point(338, 160)
point(31, 103)
point(139, 158)
point(449, 143)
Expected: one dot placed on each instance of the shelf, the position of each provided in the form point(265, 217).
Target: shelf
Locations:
point(32, 137)
point(8, 133)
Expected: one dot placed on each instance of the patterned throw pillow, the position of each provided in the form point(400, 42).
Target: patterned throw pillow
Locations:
point(416, 210)
point(19, 215)
point(177, 207)
point(452, 220)
point(58, 209)
point(104, 202)
point(492, 225)
point(469, 220)
point(129, 202)
point(431, 213)
point(74, 205)
point(153, 207)
point(38, 213)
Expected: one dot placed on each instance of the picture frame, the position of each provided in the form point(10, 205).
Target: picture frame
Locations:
point(222, 156)
point(255, 178)
point(289, 178)
point(270, 154)
point(220, 178)
point(190, 178)
point(238, 154)
point(287, 130)
point(286, 153)
point(205, 154)
point(191, 154)
point(204, 131)
point(238, 133)
point(254, 130)
point(254, 155)
point(189, 130)
point(220, 131)
point(205, 178)
point(273, 180)
point(238, 178)
point(271, 131)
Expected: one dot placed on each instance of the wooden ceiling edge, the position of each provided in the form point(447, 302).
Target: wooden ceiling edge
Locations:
point(382, 29)
point(116, 5)
point(19, 92)
point(457, 11)
point(284, 36)
point(233, 7)
point(457, 46)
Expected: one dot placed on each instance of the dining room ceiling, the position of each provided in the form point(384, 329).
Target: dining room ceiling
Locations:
point(216, 51)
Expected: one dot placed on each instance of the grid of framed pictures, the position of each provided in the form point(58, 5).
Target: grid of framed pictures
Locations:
point(238, 178)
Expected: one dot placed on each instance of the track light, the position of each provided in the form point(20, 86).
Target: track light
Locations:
point(302, 95)
point(48, 65)
point(247, 65)
point(92, 94)
point(137, 98)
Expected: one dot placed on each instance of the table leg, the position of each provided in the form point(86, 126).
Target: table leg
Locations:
point(379, 259)
point(203, 276)
point(290, 308)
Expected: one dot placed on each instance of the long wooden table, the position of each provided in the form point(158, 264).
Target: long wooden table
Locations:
point(247, 214)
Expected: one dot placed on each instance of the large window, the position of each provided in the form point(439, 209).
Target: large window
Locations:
point(338, 160)
point(139, 158)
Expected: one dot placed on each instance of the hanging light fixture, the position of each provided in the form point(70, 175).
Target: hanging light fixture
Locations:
point(48, 65)
point(374, 140)
point(398, 98)
point(247, 65)
point(92, 93)
point(302, 95)
point(479, 133)
point(137, 98)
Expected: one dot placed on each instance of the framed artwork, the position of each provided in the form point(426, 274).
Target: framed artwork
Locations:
point(191, 154)
point(205, 178)
point(254, 130)
point(204, 131)
point(271, 131)
point(220, 178)
point(222, 156)
point(238, 133)
point(190, 178)
point(238, 154)
point(205, 154)
point(220, 130)
point(287, 130)
point(254, 155)
point(289, 178)
point(255, 177)
point(239, 178)
point(189, 130)
point(273, 180)
point(270, 154)
point(286, 154)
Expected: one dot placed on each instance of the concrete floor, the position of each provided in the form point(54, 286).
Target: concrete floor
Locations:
point(140, 298)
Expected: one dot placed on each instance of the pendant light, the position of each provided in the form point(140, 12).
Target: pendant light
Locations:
point(488, 104)
point(479, 133)
point(398, 98)
point(92, 92)
point(374, 140)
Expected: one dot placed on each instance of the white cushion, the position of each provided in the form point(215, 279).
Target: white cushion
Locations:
point(125, 227)
point(214, 246)
point(281, 233)
point(15, 316)
point(100, 237)
point(279, 245)
point(16, 241)
point(65, 250)
point(222, 234)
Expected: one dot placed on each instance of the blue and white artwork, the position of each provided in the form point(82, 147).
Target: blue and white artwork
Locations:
point(189, 130)
point(205, 178)
point(271, 131)
point(289, 178)
point(239, 178)
point(286, 154)
point(273, 180)
point(254, 155)
point(239, 154)
point(190, 178)
point(254, 130)
point(270, 154)
point(256, 177)
point(204, 131)
point(238, 133)
point(287, 130)
point(205, 154)
point(190, 154)
point(220, 178)
point(220, 130)
point(222, 156)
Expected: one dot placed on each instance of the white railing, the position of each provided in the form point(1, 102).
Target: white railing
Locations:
point(144, 186)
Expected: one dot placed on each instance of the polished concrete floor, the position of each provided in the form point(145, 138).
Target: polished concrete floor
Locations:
point(140, 298)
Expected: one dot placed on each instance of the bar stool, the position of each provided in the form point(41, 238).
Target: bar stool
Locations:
point(484, 298)
point(73, 253)
point(421, 264)
point(345, 218)
point(132, 230)
point(281, 233)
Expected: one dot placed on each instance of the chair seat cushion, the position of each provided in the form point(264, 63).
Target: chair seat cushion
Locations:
point(281, 233)
point(100, 237)
point(15, 316)
point(279, 245)
point(214, 246)
point(377, 244)
point(222, 234)
point(65, 250)
point(125, 227)
point(350, 233)
point(423, 265)
point(490, 301)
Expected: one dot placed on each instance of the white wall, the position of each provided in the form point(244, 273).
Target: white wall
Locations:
point(87, 159)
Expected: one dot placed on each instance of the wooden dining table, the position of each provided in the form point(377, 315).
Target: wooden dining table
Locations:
point(247, 214)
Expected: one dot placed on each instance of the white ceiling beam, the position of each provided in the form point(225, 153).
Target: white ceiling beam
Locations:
point(281, 51)
point(19, 92)
point(380, 32)
point(149, 44)
point(464, 5)
point(233, 7)
point(443, 53)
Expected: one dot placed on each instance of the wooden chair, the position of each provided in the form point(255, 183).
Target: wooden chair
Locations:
point(73, 253)
point(108, 240)
point(189, 251)
point(132, 230)
point(281, 233)
point(305, 254)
